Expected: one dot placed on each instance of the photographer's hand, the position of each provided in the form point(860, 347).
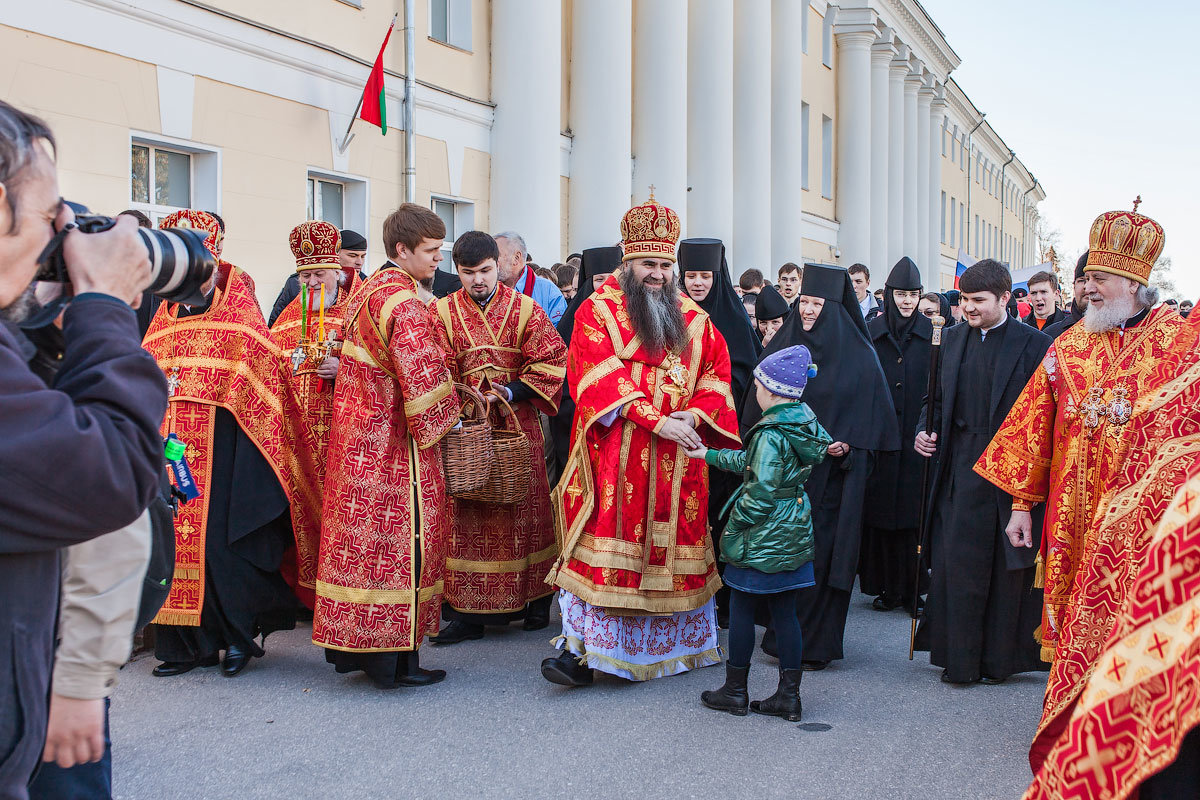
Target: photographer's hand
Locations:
point(113, 262)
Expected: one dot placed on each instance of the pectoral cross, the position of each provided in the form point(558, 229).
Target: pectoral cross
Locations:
point(1094, 409)
point(172, 382)
point(297, 358)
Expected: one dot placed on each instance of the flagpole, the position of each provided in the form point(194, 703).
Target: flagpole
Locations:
point(349, 137)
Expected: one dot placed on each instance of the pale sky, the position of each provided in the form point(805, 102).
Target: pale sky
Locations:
point(1101, 101)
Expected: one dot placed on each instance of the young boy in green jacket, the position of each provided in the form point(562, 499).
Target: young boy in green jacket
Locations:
point(768, 544)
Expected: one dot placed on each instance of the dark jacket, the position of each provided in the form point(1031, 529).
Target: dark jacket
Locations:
point(895, 486)
point(1058, 316)
point(770, 525)
point(1024, 347)
point(76, 461)
point(1073, 315)
point(289, 292)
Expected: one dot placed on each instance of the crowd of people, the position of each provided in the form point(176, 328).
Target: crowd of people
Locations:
point(690, 454)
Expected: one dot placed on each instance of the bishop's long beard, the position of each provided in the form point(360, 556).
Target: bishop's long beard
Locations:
point(655, 315)
point(1098, 319)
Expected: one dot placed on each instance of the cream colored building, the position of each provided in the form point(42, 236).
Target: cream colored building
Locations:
point(792, 129)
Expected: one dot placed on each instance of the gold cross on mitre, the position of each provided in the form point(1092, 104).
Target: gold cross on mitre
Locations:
point(1137, 202)
point(651, 193)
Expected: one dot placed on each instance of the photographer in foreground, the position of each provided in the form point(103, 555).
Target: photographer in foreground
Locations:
point(77, 461)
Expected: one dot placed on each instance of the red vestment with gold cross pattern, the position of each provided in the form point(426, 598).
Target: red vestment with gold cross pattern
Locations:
point(385, 516)
point(308, 416)
point(1064, 439)
point(1164, 449)
point(221, 358)
point(499, 555)
point(631, 509)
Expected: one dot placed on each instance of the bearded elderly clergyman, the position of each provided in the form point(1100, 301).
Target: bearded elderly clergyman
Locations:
point(1066, 436)
point(650, 376)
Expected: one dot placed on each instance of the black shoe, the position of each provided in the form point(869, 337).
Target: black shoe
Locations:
point(947, 679)
point(537, 617)
point(731, 697)
point(769, 645)
point(565, 670)
point(458, 631)
point(885, 603)
point(813, 666)
point(235, 660)
point(411, 674)
point(786, 700)
point(168, 669)
point(988, 680)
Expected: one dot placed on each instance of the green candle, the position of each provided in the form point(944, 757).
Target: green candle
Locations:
point(304, 312)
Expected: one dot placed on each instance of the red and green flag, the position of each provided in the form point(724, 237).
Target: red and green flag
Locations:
point(374, 109)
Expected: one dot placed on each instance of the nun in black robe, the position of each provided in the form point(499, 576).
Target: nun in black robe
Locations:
point(729, 316)
point(888, 562)
point(851, 400)
point(768, 307)
point(595, 261)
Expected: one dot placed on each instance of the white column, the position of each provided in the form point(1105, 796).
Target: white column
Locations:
point(921, 254)
point(751, 137)
point(912, 83)
point(710, 119)
point(881, 56)
point(787, 60)
point(526, 150)
point(895, 219)
point(854, 143)
point(660, 118)
point(601, 110)
point(933, 270)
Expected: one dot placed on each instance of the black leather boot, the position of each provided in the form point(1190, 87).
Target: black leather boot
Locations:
point(731, 697)
point(409, 672)
point(236, 659)
point(169, 669)
point(565, 670)
point(458, 631)
point(786, 700)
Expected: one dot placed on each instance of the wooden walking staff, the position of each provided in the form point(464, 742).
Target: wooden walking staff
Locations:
point(935, 358)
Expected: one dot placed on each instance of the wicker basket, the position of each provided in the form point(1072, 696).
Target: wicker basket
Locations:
point(509, 481)
point(467, 453)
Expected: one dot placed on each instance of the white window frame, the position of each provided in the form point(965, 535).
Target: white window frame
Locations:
point(805, 113)
point(953, 221)
point(356, 200)
point(805, 8)
point(464, 220)
point(943, 217)
point(826, 157)
point(827, 39)
point(458, 24)
point(204, 179)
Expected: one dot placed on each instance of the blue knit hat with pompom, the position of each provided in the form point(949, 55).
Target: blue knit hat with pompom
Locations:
point(787, 371)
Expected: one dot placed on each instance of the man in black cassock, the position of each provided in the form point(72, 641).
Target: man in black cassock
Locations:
point(982, 609)
point(705, 277)
point(1079, 302)
point(902, 338)
point(852, 402)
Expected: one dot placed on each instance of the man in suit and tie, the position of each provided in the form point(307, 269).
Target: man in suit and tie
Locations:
point(982, 609)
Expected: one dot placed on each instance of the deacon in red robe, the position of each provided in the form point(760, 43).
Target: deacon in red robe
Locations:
point(224, 385)
point(650, 375)
point(502, 343)
point(386, 518)
point(1063, 441)
point(308, 332)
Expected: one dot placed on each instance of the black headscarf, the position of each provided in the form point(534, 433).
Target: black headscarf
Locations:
point(724, 307)
point(906, 277)
point(848, 394)
point(944, 309)
point(770, 304)
point(595, 261)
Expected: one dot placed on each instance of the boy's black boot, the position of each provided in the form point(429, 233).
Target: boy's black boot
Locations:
point(731, 697)
point(786, 700)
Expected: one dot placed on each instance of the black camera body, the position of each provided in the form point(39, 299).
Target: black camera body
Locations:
point(179, 261)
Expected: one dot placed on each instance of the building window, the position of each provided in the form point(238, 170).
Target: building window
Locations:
point(450, 22)
point(827, 40)
point(826, 157)
point(943, 217)
point(804, 12)
point(962, 220)
point(943, 138)
point(326, 201)
point(804, 145)
point(977, 248)
point(458, 217)
point(166, 176)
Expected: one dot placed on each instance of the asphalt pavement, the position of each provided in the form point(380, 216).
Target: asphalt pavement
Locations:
point(875, 726)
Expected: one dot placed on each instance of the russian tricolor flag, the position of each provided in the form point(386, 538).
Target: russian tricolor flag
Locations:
point(964, 261)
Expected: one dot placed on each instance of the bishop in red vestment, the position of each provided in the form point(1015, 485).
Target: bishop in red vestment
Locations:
point(1065, 437)
point(308, 332)
point(224, 382)
point(386, 519)
point(650, 375)
point(502, 343)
